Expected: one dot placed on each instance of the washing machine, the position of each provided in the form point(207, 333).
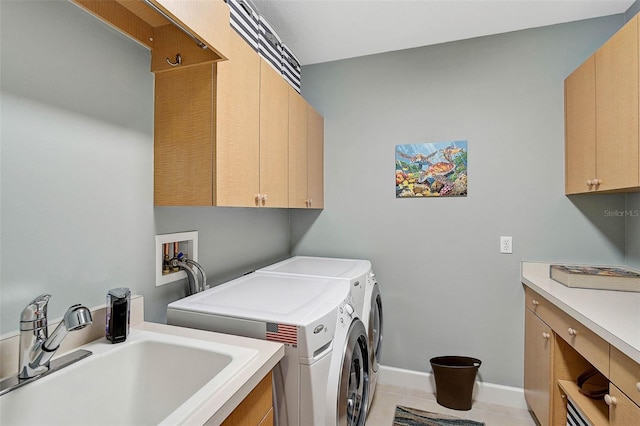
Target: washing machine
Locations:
point(309, 316)
point(348, 388)
point(364, 289)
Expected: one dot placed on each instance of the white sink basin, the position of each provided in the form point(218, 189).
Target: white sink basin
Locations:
point(150, 379)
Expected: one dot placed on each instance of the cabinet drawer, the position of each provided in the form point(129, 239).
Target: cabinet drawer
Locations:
point(622, 411)
point(588, 344)
point(625, 373)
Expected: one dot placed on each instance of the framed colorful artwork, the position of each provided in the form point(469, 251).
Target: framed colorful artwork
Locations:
point(431, 169)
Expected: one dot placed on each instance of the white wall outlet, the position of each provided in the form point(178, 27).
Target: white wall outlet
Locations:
point(506, 245)
point(187, 243)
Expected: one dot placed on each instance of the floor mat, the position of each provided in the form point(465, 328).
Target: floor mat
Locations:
point(406, 416)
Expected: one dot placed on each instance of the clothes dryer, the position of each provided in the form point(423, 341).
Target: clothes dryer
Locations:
point(364, 289)
point(301, 312)
point(355, 270)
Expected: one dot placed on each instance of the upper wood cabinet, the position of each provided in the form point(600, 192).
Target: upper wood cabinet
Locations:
point(315, 158)
point(274, 138)
point(237, 127)
point(149, 22)
point(602, 118)
point(221, 133)
point(306, 154)
point(617, 110)
point(222, 115)
point(183, 137)
point(206, 19)
point(298, 169)
point(580, 128)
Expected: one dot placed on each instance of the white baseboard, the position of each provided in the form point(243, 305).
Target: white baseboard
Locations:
point(482, 392)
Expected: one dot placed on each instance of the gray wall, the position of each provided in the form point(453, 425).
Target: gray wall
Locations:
point(446, 289)
point(77, 215)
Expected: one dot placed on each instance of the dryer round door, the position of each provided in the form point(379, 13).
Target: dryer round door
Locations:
point(375, 328)
point(348, 387)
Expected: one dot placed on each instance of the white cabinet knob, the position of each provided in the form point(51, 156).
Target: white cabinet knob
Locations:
point(610, 400)
point(310, 201)
point(264, 197)
point(572, 332)
point(589, 183)
point(535, 303)
point(545, 335)
point(597, 182)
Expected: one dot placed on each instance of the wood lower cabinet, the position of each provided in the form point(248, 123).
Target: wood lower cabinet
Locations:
point(551, 369)
point(602, 117)
point(622, 410)
point(256, 409)
point(537, 364)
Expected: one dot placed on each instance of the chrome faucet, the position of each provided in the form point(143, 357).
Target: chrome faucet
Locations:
point(36, 346)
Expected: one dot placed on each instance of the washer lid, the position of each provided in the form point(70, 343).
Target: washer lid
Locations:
point(321, 267)
point(269, 297)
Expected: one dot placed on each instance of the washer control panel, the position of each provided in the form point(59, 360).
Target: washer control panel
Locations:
point(346, 312)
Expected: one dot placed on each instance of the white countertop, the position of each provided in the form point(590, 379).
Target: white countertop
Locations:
point(612, 315)
point(235, 390)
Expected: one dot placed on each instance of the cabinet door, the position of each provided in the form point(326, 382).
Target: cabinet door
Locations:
point(617, 109)
point(237, 146)
point(537, 367)
point(580, 128)
point(315, 158)
point(622, 411)
point(256, 408)
point(274, 138)
point(297, 150)
point(183, 122)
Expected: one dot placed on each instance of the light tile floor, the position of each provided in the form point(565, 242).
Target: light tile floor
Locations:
point(387, 397)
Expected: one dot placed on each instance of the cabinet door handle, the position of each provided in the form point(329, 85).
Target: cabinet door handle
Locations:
point(545, 335)
point(610, 400)
point(597, 182)
point(535, 303)
point(589, 183)
point(572, 332)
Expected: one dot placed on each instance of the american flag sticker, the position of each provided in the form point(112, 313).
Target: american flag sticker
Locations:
point(283, 333)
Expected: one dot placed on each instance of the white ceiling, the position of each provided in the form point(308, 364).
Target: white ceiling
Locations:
point(328, 30)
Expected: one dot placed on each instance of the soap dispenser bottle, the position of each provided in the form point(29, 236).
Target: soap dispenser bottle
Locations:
point(118, 314)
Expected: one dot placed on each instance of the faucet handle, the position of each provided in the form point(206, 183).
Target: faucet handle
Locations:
point(36, 310)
